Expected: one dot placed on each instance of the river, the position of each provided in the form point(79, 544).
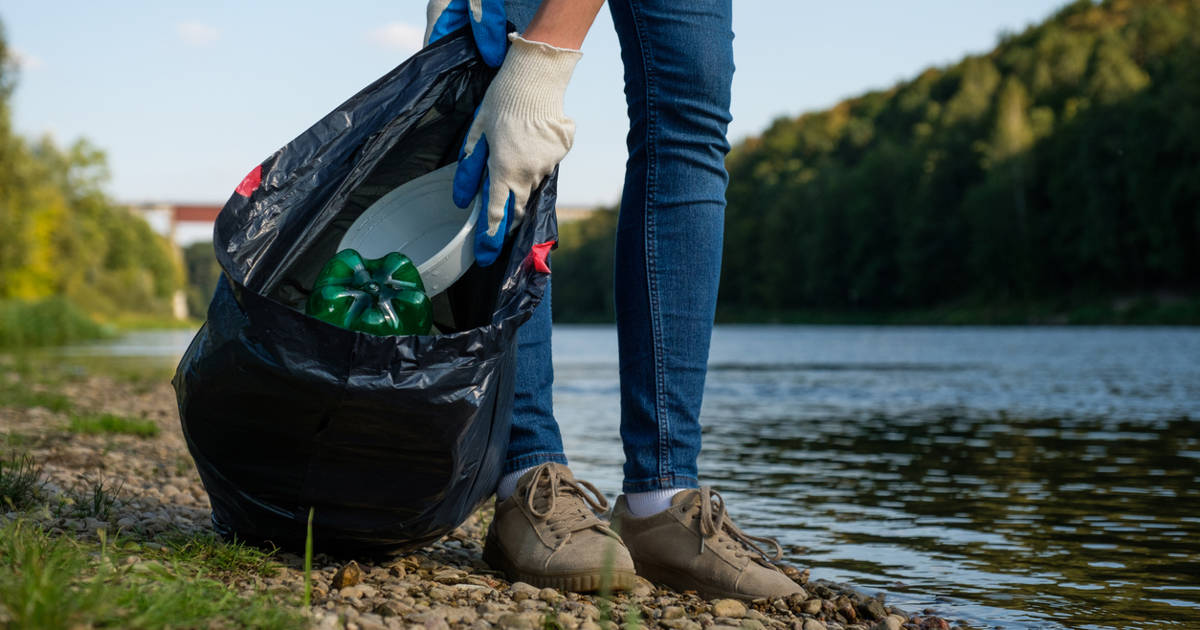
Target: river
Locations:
point(1016, 477)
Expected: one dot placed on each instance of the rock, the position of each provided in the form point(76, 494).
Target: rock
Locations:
point(673, 612)
point(811, 607)
point(752, 624)
point(352, 592)
point(872, 609)
point(348, 575)
point(449, 576)
point(521, 591)
point(514, 621)
point(729, 608)
point(813, 624)
point(590, 611)
point(529, 605)
point(887, 623)
point(371, 623)
point(390, 608)
point(567, 621)
point(798, 576)
point(549, 595)
point(440, 594)
point(642, 587)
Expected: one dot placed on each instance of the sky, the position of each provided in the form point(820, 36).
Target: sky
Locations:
point(186, 96)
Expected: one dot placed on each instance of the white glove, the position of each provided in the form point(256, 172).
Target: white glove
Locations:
point(520, 134)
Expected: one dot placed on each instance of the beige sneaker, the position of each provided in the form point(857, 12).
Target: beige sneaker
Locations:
point(693, 545)
point(547, 534)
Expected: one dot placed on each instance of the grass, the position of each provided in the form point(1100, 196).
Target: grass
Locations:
point(52, 321)
point(308, 555)
point(112, 424)
point(89, 498)
point(218, 558)
point(20, 395)
point(48, 582)
point(21, 483)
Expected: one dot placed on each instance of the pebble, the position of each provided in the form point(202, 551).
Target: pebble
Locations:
point(521, 591)
point(673, 612)
point(348, 575)
point(728, 608)
point(888, 623)
point(872, 609)
point(445, 585)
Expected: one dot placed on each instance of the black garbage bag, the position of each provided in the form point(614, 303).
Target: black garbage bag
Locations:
point(392, 441)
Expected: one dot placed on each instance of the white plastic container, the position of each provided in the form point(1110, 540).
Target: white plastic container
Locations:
point(419, 219)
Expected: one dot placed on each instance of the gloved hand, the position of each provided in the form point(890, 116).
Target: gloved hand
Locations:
point(488, 24)
point(517, 138)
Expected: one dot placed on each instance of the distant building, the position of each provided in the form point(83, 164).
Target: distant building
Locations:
point(183, 224)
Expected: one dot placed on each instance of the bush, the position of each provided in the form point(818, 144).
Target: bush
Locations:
point(51, 321)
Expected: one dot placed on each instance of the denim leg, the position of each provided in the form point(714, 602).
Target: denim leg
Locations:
point(678, 59)
point(520, 12)
point(534, 438)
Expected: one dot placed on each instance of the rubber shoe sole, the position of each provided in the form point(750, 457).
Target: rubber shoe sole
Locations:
point(681, 581)
point(588, 582)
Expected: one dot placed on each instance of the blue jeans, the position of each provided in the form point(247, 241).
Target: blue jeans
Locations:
point(678, 59)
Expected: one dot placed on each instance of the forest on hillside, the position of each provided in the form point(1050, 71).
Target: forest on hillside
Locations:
point(68, 252)
point(1062, 166)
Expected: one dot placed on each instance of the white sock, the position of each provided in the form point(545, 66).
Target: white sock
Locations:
point(508, 483)
point(644, 504)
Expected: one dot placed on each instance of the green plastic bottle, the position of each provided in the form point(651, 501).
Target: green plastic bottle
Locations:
point(381, 296)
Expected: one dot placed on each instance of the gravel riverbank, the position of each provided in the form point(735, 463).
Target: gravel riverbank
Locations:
point(153, 493)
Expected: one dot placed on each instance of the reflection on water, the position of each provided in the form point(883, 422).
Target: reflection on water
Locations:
point(1011, 477)
point(163, 345)
point(1015, 477)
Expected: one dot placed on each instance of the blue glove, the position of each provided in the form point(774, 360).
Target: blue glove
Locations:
point(517, 138)
point(487, 20)
point(472, 170)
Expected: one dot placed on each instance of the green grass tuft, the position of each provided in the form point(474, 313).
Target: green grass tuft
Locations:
point(220, 559)
point(20, 482)
point(89, 497)
point(48, 582)
point(101, 423)
point(308, 555)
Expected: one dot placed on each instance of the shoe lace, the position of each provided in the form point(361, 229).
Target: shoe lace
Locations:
point(550, 485)
point(715, 521)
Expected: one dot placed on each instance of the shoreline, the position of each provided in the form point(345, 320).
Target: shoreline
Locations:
point(153, 509)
